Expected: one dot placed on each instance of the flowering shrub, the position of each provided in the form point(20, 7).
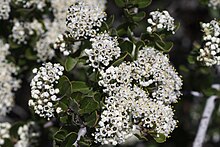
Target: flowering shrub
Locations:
point(95, 72)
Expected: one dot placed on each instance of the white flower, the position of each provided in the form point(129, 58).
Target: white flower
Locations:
point(43, 90)
point(58, 110)
point(151, 70)
point(215, 4)
point(22, 31)
point(5, 9)
point(139, 98)
point(64, 47)
point(209, 54)
point(4, 50)
point(160, 21)
point(28, 135)
point(8, 83)
point(4, 131)
point(104, 49)
point(84, 19)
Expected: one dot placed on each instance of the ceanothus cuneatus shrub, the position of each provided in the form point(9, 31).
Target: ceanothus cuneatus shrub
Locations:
point(90, 79)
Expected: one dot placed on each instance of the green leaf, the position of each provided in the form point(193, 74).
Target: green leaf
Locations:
point(79, 86)
point(64, 119)
point(70, 63)
point(120, 3)
point(78, 96)
point(191, 59)
point(110, 20)
point(122, 58)
point(139, 16)
point(141, 137)
point(126, 46)
point(88, 105)
point(70, 140)
point(59, 135)
point(168, 46)
point(30, 55)
point(64, 86)
point(159, 138)
point(73, 105)
point(62, 105)
point(143, 3)
point(92, 119)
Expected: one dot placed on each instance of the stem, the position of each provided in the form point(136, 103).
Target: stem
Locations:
point(206, 116)
point(81, 133)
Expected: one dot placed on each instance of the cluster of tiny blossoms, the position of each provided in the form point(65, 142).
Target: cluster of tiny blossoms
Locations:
point(52, 39)
point(60, 9)
point(214, 4)
point(22, 31)
point(160, 21)
point(28, 135)
point(8, 83)
point(84, 19)
point(4, 132)
point(209, 54)
point(139, 98)
point(104, 49)
point(43, 91)
point(5, 9)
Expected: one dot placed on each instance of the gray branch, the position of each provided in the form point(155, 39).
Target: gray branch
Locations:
point(206, 116)
point(81, 133)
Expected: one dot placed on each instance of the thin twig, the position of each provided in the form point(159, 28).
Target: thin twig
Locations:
point(206, 116)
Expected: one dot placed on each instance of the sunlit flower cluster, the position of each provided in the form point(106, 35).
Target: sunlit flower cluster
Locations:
point(84, 19)
point(28, 135)
point(8, 83)
point(161, 21)
point(43, 91)
point(27, 4)
point(5, 9)
point(215, 4)
point(209, 54)
point(140, 93)
point(104, 49)
point(4, 132)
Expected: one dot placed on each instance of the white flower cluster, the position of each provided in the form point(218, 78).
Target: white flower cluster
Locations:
point(209, 54)
point(43, 91)
point(139, 97)
point(104, 49)
point(160, 21)
point(5, 9)
point(51, 40)
point(28, 135)
point(22, 31)
point(8, 83)
point(39, 4)
point(64, 47)
point(214, 4)
point(84, 19)
point(43, 46)
point(4, 132)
